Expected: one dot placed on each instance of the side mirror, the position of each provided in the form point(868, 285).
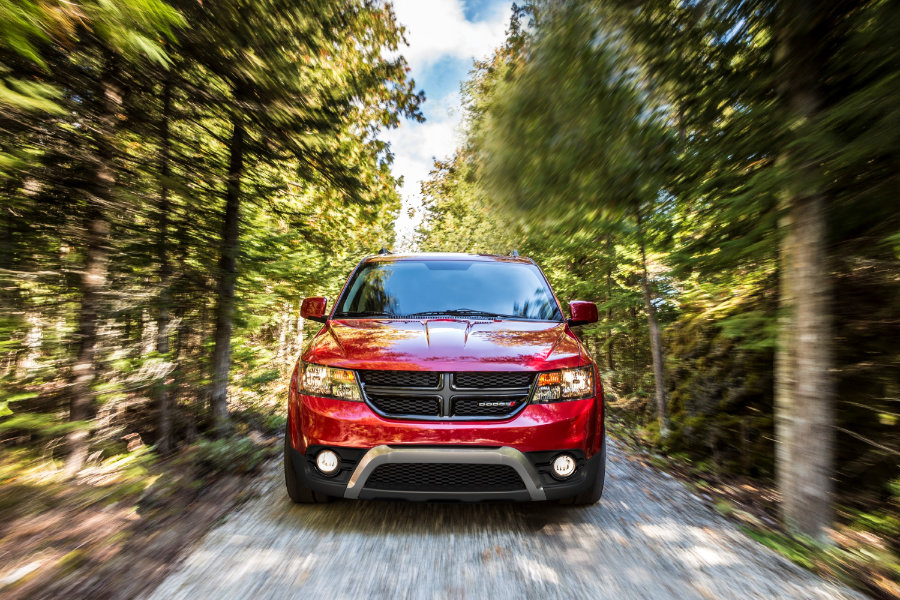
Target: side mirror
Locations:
point(313, 308)
point(582, 313)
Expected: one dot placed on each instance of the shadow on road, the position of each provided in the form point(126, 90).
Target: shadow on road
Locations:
point(375, 517)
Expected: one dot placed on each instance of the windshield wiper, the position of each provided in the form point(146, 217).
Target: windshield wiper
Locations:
point(365, 313)
point(461, 312)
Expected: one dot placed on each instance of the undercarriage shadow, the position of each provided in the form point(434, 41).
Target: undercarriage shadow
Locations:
point(372, 517)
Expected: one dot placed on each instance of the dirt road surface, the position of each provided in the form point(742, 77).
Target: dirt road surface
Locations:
point(649, 537)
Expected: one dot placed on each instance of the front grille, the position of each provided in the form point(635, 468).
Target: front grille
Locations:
point(486, 406)
point(422, 379)
point(440, 477)
point(406, 405)
point(433, 395)
point(492, 380)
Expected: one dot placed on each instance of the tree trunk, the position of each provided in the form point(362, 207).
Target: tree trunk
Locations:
point(226, 280)
point(298, 338)
point(10, 296)
point(803, 390)
point(183, 330)
point(164, 439)
point(656, 351)
point(284, 330)
point(609, 312)
point(92, 283)
point(633, 346)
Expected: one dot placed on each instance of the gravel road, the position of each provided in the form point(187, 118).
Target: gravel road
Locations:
point(649, 537)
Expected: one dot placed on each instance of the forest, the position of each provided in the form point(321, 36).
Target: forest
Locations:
point(176, 176)
point(720, 177)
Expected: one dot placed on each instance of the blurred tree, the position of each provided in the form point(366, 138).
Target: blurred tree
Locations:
point(105, 39)
point(459, 217)
point(803, 383)
point(749, 146)
point(572, 136)
point(295, 76)
point(753, 87)
point(163, 319)
point(115, 180)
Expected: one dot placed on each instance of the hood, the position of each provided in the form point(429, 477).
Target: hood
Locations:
point(446, 345)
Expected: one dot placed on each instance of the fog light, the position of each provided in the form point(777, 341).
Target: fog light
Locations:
point(563, 466)
point(327, 461)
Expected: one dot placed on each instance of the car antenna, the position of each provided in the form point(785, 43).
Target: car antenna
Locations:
point(384, 251)
point(514, 253)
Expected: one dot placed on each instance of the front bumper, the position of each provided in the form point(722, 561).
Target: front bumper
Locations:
point(533, 468)
point(574, 424)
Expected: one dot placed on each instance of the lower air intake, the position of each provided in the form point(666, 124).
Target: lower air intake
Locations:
point(439, 477)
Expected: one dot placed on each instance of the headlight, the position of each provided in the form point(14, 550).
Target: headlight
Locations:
point(318, 380)
point(568, 384)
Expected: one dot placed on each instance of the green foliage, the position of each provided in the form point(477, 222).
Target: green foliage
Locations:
point(275, 423)
point(135, 28)
point(230, 455)
point(123, 113)
point(868, 568)
point(6, 401)
point(568, 133)
point(42, 424)
point(23, 24)
point(459, 218)
point(878, 522)
point(605, 127)
point(894, 488)
point(803, 553)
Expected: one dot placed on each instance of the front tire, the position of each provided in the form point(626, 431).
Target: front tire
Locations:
point(298, 492)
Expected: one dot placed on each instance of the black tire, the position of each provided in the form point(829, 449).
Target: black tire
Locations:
point(593, 494)
point(298, 492)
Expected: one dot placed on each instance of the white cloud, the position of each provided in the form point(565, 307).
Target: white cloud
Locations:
point(438, 28)
point(435, 30)
point(415, 146)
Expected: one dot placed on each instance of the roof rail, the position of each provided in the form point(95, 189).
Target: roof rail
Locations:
point(514, 254)
point(384, 251)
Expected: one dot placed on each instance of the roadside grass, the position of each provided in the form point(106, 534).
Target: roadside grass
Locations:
point(864, 550)
point(866, 564)
point(122, 521)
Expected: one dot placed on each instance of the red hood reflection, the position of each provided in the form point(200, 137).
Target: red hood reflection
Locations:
point(446, 345)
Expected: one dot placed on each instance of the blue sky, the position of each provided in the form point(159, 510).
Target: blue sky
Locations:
point(444, 37)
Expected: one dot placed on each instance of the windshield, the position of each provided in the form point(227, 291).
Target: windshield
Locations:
point(425, 288)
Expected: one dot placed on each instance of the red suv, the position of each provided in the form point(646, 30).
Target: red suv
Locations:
point(446, 377)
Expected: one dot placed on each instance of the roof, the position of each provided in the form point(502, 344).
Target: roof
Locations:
point(446, 256)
